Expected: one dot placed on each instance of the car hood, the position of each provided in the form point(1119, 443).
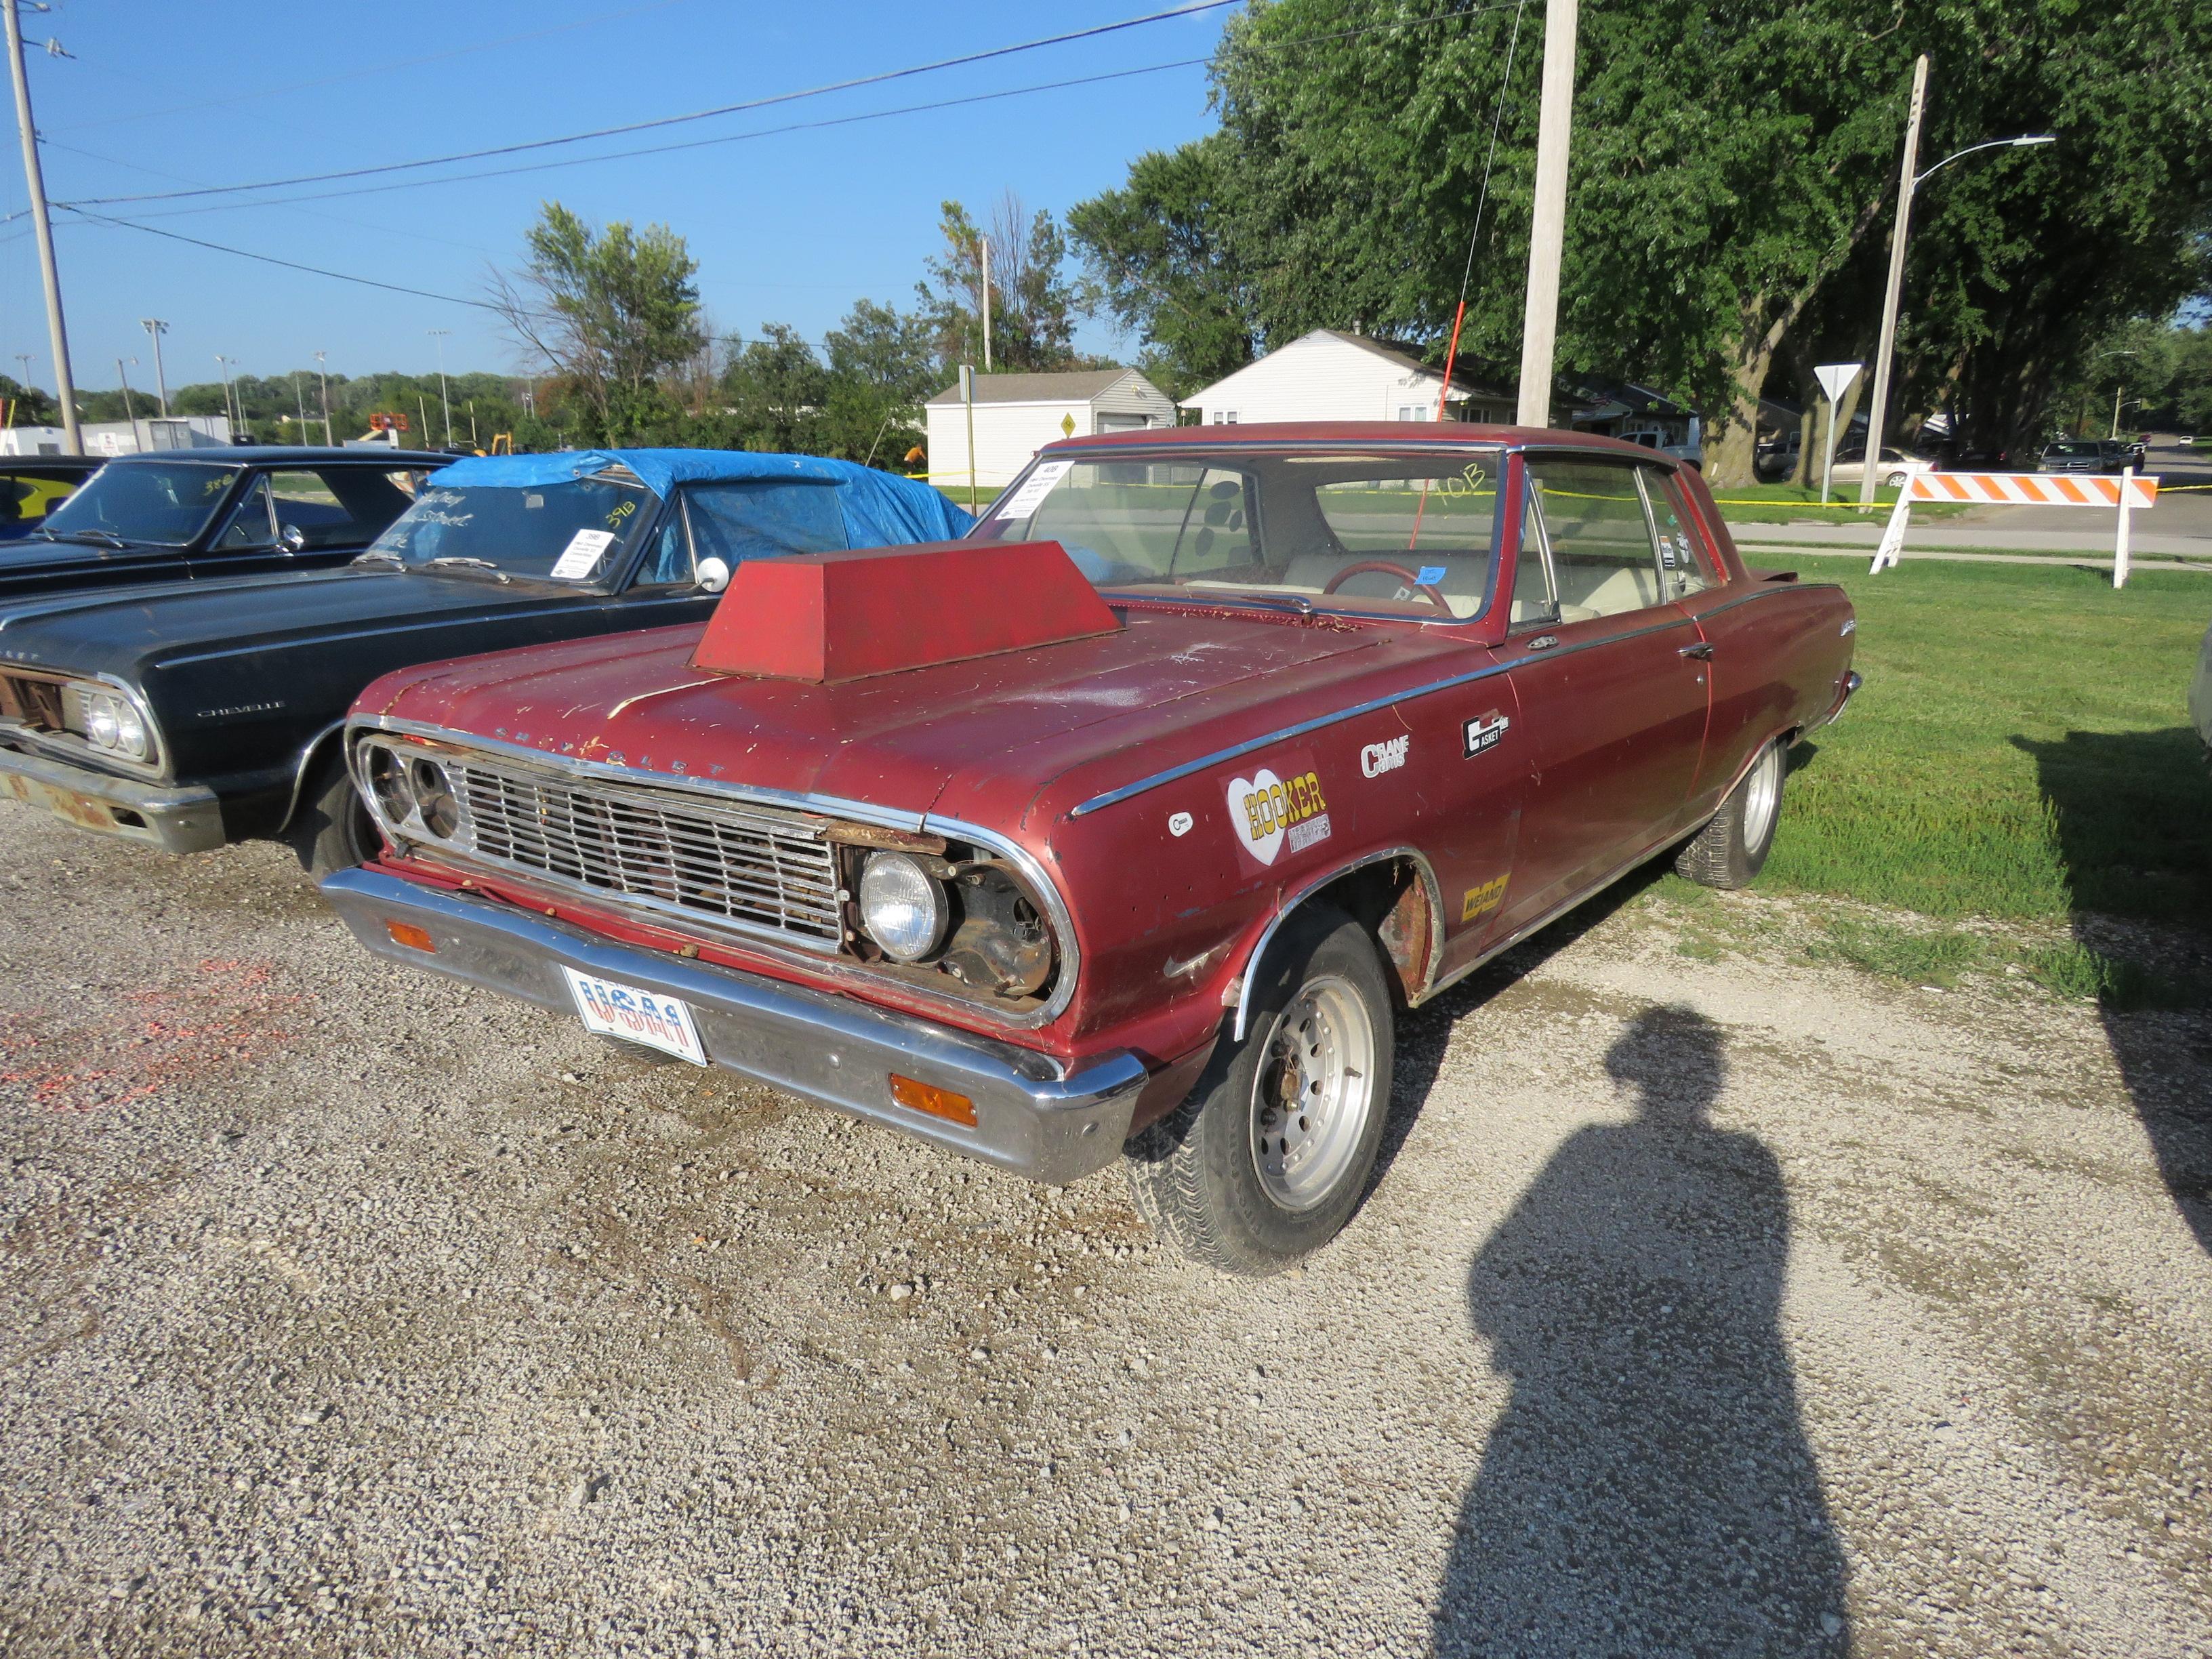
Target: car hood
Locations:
point(130, 631)
point(980, 739)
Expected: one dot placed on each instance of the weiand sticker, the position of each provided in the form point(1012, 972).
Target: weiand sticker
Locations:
point(1485, 732)
point(1268, 812)
point(1388, 755)
point(1481, 901)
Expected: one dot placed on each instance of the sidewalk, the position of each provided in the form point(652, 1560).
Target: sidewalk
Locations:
point(1968, 539)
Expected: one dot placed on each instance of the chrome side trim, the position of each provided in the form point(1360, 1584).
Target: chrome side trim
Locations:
point(1433, 893)
point(1056, 910)
point(379, 631)
point(1284, 734)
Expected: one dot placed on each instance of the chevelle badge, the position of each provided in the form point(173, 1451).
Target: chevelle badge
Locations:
point(1485, 732)
point(1268, 811)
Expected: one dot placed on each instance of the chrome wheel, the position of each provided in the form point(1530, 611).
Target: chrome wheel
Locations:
point(1313, 1093)
point(1762, 796)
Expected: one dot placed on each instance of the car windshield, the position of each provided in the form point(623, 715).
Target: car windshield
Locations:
point(1412, 533)
point(573, 532)
point(2074, 448)
point(164, 502)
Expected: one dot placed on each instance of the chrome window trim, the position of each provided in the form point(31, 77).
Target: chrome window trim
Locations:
point(1032, 871)
point(1284, 911)
point(1284, 734)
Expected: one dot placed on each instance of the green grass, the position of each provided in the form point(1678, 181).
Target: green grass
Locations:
point(2021, 749)
point(1783, 503)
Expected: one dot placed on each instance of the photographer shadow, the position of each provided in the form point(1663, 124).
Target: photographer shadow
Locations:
point(1649, 1489)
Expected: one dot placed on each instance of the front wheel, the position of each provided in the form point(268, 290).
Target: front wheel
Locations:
point(1732, 849)
point(1270, 1155)
point(333, 830)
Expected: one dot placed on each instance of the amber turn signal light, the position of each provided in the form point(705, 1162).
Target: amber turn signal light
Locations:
point(937, 1102)
point(413, 937)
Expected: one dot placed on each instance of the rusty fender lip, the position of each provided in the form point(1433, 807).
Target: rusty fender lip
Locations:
point(1032, 1117)
point(177, 818)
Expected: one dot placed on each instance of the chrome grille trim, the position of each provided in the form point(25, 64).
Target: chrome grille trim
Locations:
point(763, 870)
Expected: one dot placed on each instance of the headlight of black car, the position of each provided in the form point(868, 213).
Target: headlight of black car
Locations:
point(109, 719)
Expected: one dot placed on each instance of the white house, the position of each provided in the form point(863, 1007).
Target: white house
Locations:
point(1017, 415)
point(1330, 375)
point(121, 437)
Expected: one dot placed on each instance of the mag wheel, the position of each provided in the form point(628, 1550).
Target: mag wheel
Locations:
point(1731, 848)
point(1270, 1155)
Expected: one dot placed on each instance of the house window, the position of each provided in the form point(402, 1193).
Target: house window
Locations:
point(1409, 411)
point(1224, 417)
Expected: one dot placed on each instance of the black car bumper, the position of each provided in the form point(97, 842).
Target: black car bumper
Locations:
point(176, 819)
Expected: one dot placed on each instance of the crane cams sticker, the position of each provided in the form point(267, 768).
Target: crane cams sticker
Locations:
point(1268, 812)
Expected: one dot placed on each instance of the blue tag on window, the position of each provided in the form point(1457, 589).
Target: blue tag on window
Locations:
point(1430, 575)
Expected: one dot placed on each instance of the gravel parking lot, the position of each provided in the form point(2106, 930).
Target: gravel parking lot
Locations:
point(1702, 1309)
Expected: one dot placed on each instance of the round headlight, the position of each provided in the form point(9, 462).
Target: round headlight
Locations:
point(387, 781)
point(101, 723)
point(902, 908)
point(129, 731)
point(434, 799)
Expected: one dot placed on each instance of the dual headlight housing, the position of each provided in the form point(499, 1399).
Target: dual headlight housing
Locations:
point(413, 788)
point(109, 721)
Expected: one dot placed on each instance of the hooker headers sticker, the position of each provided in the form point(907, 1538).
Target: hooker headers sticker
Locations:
point(1268, 812)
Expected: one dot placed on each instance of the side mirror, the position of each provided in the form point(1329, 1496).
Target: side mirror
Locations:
point(291, 537)
point(713, 575)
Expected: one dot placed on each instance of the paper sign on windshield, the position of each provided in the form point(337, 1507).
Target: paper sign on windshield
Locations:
point(1035, 489)
point(582, 556)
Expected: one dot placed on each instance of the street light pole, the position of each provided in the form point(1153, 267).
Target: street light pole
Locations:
point(42, 228)
point(984, 244)
point(323, 376)
point(438, 335)
point(155, 328)
point(1539, 320)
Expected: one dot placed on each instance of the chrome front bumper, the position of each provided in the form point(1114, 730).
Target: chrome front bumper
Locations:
point(186, 819)
point(1031, 1116)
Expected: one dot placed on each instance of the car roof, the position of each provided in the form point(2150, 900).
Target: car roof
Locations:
point(51, 463)
point(216, 455)
point(1362, 434)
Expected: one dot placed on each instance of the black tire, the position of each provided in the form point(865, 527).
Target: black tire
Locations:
point(333, 829)
point(1732, 849)
point(1197, 1175)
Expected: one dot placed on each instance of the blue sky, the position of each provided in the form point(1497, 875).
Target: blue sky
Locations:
point(791, 227)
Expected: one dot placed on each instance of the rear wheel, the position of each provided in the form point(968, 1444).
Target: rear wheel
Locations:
point(1270, 1155)
point(333, 829)
point(1731, 848)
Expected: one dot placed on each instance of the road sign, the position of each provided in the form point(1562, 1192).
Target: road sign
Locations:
point(1835, 380)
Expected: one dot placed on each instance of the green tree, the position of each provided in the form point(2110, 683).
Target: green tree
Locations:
point(774, 388)
point(1158, 257)
point(1033, 304)
point(883, 367)
point(612, 312)
point(26, 405)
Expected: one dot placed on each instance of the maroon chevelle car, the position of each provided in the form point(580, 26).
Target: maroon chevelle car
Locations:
point(1120, 828)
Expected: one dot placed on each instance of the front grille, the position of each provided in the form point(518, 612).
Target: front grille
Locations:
point(760, 867)
point(36, 703)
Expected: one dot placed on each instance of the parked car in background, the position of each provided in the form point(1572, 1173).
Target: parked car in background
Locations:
point(2085, 455)
point(1776, 458)
point(1896, 465)
point(192, 714)
point(1950, 455)
point(31, 487)
point(1125, 822)
point(199, 512)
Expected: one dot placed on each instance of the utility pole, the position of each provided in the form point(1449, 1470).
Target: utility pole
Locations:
point(1539, 320)
point(230, 410)
point(299, 402)
point(323, 374)
point(984, 242)
point(130, 413)
point(155, 328)
point(1886, 344)
point(42, 227)
point(438, 335)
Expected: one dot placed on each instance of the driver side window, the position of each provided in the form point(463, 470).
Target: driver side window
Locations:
point(668, 562)
point(250, 525)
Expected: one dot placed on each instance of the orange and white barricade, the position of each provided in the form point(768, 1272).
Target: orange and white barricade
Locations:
point(2125, 493)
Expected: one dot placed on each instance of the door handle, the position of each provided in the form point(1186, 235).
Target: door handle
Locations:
point(1703, 651)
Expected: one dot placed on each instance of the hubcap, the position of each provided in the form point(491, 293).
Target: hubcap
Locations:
point(1313, 1093)
point(1762, 796)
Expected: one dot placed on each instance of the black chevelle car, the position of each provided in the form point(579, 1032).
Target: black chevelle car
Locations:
point(192, 714)
point(196, 513)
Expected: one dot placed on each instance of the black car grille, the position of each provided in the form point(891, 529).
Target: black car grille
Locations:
point(36, 703)
point(763, 868)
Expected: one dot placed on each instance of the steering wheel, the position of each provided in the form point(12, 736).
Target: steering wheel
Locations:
point(1388, 568)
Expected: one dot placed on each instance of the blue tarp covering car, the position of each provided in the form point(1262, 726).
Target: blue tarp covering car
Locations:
point(878, 509)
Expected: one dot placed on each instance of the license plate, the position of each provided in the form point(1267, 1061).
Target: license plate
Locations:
point(616, 1010)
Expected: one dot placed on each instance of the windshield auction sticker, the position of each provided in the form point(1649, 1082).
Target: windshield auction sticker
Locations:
point(1268, 812)
point(582, 554)
point(1035, 489)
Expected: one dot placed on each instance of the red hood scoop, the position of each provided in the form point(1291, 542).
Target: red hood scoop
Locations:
point(824, 617)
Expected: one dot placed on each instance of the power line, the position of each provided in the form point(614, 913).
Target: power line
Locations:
point(1186, 9)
